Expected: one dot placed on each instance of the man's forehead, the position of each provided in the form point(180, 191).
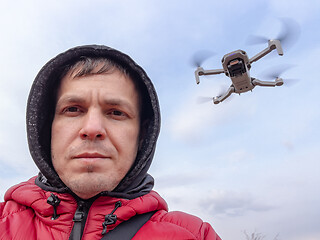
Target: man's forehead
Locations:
point(79, 97)
point(82, 69)
point(112, 89)
point(79, 71)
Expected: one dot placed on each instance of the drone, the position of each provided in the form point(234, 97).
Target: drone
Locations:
point(236, 65)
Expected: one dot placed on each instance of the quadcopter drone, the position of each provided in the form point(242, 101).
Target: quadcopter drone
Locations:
point(236, 65)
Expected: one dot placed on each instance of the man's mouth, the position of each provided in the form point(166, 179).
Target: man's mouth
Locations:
point(91, 155)
point(90, 159)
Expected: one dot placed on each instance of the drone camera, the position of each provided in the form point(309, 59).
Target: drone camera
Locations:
point(236, 67)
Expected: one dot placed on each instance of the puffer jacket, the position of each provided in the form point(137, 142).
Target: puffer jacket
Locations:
point(45, 208)
point(26, 214)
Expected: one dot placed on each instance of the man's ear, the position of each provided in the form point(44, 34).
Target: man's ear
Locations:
point(143, 132)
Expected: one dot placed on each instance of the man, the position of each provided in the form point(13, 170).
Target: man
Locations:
point(92, 122)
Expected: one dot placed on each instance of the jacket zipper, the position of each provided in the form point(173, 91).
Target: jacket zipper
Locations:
point(79, 220)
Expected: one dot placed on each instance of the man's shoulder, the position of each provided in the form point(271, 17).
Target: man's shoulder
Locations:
point(176, 225)
point(181, 219)
point(20, 189)
point(20, 192)
point(8, 208)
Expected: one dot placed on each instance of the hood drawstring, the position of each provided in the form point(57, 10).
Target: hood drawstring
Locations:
point(54, 201)
point(110, 218)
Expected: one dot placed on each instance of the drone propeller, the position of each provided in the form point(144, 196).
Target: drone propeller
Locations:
point(288, 35)
point(200, 56)
point(202, 99)
point(255, 39)
point(290, 32)
point(277, 72)
point(222, 89)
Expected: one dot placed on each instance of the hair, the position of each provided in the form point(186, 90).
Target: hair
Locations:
point(89, 65)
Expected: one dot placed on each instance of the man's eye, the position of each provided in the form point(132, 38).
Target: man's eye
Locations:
point(72, 109)
point(117, 113)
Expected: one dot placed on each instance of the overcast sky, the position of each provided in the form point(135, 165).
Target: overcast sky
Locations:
point(248, 164)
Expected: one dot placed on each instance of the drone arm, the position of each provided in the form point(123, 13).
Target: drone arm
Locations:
point(200, 71)
point(272, 44)
point(277, 82)
point(223, 97)
point(212, 72)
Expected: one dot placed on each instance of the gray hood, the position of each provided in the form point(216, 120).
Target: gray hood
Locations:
point(40, 112)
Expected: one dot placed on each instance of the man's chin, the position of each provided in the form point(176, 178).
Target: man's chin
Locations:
point(89, 184)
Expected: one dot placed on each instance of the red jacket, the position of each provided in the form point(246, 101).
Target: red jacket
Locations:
point(25, 214)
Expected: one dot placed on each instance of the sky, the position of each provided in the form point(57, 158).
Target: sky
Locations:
point(251, 163)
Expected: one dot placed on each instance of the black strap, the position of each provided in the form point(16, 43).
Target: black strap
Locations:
point(126, 230)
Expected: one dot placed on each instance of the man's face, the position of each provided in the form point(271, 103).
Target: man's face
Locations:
point(95, 131)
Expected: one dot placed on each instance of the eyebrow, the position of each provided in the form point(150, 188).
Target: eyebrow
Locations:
point(118, 102)
point(70, 99)
point(107, 101)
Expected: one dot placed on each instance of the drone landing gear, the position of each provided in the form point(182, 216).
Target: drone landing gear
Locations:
point(200, 71)
point(221, 98)
point(255, 82)
point(277, 82)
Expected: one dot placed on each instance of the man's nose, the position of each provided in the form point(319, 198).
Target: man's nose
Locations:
point(93, 126)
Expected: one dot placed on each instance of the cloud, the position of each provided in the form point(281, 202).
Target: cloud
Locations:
point(199, 197)
point(230, 203)
point(184, 178)
point(296, 9)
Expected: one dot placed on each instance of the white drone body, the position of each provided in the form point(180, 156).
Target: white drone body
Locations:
point(236, 65)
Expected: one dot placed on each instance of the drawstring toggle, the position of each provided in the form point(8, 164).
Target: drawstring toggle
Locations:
point(54, 201)
point(110, 218)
